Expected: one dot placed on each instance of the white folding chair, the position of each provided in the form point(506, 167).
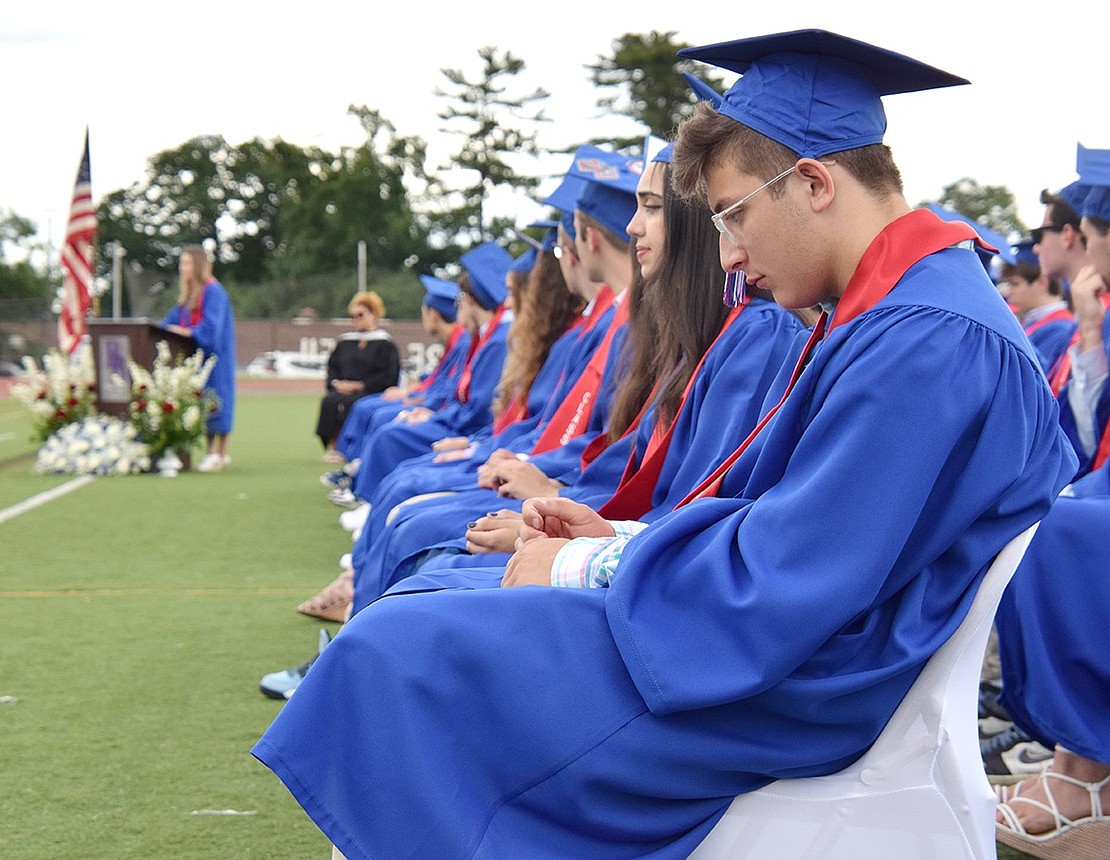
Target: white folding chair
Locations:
point(920, 791)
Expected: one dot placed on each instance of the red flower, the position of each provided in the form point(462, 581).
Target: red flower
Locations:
point(72, 401)
point(42, 395)
point(140, 405)
point(167, 407)
point(59, 413)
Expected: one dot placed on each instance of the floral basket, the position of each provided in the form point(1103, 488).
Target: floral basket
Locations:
point(61, 392)
point(97, 445)
point(169, 404)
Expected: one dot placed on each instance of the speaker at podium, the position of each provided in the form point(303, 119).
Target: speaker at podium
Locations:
point(115, 342)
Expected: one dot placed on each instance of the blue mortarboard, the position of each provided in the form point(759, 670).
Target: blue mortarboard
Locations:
point(605, 183)
point(702, 90)
point(567, 223)
point(487, 265)
point(814, 91)
point(989, 236)
point(1074, 194)
point(652, 147)
point(525, 261)
point(550, 234)
point(1023, 253)
point(1093, 167)
point(665, 155)
point(440, 295)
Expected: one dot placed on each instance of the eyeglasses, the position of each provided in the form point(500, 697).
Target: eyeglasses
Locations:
point(357, 314)
point(719, 219)
point(1038, 232)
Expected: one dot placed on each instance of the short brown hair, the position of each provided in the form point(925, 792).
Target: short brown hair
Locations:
point(709, 138)
point(1060, 213)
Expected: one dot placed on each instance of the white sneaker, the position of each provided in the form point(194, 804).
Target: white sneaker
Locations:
point(343, 498)
point(356, 519)
point(212, 462)
point(345, 561)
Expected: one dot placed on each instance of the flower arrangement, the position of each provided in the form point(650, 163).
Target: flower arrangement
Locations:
point(168, 403)
point(61, 392)
point(96, 445)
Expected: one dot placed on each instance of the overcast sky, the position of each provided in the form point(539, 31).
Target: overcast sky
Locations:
point(147, 77)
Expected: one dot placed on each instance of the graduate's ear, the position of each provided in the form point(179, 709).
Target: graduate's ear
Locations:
point(819, 183)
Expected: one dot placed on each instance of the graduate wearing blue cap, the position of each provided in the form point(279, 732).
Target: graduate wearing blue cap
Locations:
point(1038, 302)
point(482, 290)
point(1079, 375)
point(1052, 633)
point(773, 621)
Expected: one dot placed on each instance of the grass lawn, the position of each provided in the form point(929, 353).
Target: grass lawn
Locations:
point(137, 615)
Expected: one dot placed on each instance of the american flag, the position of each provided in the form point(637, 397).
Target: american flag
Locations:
point(77, 259)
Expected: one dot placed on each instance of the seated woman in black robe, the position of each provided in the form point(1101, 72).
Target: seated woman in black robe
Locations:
point(365, 361)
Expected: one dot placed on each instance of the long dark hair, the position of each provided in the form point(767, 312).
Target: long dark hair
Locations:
point(674, 316)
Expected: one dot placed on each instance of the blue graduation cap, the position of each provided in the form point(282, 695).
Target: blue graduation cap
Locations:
point(604, 183)
point(440, 295)
point(991, 237)
point(487, 265)
point(1093, 167)
point(567, 223)
point(525, 261)
point(814, 91)
point(1023, 252)
point(702, 90)
point(1074, 194)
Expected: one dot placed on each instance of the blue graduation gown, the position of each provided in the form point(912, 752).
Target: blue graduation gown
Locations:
point(1102, 412)
point(396, 442)
point(768, 632)
point(215, 335)
point(728, 392)
point(1051, 625)
point(1050, 340)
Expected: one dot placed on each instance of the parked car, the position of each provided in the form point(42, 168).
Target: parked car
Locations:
point(286, 364)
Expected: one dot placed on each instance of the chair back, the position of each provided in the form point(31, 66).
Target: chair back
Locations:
point(920, 791)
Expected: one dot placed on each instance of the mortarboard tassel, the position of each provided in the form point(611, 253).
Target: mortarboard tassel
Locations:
point(735, 289)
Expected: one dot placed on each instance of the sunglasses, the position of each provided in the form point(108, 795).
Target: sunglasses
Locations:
point(1038, 232)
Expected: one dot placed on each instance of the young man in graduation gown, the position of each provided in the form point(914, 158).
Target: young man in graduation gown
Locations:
point(769, 626)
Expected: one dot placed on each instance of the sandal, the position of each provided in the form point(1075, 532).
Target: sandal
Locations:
point(1086, 838)
point(333, 602)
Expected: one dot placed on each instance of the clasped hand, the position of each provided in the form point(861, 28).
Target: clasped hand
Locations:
point(546, 525)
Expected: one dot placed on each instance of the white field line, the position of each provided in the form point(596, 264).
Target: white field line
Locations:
point(42, 498)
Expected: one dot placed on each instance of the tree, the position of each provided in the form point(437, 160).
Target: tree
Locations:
point(992, 205)
point(644, 81)
point(491, 136)
point(19, 279)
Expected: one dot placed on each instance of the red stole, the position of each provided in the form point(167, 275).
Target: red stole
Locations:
point(1056, 315)
point(462, 390)
point(899, 246)
point(1060, 372)
point(452, 338)
point(632, 498)
point(573, 414)
point(517, 407)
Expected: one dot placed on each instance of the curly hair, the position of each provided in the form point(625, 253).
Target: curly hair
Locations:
point(544, 309)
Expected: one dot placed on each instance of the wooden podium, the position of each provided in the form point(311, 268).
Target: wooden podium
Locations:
point(117, 341)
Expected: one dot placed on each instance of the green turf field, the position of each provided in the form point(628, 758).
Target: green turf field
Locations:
point(136, 616)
